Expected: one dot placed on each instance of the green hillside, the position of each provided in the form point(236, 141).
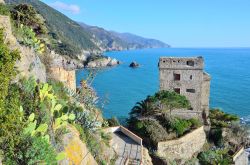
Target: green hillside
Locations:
point(69, 38)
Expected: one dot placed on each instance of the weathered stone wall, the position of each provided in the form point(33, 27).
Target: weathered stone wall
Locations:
point(241, 158)
point(30, 64)
point(67, 77)
point(192, 82)
point(205, 94)
point(183, 148)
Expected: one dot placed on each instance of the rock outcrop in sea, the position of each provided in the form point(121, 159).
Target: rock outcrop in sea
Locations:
point(134, 64)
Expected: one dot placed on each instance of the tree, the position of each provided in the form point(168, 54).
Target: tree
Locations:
point(142, 109)
point(170, 100)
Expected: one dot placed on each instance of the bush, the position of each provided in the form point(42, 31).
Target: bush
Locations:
point(154, 131)
point(221, 119)
point(4, 10)
point(195, 123)
point(24, 14)
point(10, 123)
point(113, 122)
point(181, 126)
point(210, 157)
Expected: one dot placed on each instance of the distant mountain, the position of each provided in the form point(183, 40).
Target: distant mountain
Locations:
point(107, 40)
point(115, 40)
point(73, 39)
point(140, 42)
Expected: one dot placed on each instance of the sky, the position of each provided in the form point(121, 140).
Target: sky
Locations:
point(180, 23)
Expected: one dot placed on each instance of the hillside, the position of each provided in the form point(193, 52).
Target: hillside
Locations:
point(69, 38)
point(118, 41)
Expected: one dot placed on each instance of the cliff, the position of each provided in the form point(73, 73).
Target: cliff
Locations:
point(68, 78)
point(30, 63)
point(76, 151)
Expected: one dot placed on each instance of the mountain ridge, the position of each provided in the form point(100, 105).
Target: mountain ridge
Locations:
point(126, 40)
point(79, 40)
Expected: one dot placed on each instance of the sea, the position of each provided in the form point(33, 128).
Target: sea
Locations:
point(120, 87)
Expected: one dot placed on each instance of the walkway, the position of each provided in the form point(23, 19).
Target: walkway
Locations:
point(125, 147)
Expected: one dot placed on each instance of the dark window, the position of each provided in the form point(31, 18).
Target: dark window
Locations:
point(191, 77)
point(190, 63)
point(190, 90)
point(177, 90)
point(177, 77)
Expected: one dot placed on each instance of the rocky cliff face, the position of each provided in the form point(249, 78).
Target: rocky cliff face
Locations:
point(30, 64)
point(76, 151)
point(62, 75)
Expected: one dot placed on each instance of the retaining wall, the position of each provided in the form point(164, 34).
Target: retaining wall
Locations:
point(183, 148)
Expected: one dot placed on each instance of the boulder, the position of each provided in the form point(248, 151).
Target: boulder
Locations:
point(134, 64)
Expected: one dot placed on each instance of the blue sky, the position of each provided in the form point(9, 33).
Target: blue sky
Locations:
point(180, 23)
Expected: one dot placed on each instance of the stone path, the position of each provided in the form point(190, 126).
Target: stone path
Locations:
point(125, 147)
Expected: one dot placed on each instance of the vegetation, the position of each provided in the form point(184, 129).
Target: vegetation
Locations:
point(113, 122)
point(4, 10)
point(24, 14)
point(152, 120)
point(161, 102)
point(226, 137)
point(214, 157)
point(221, 119)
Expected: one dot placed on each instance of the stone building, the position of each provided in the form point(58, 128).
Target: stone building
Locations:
point(187, 77)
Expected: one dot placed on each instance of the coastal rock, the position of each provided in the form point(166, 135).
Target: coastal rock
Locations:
point(102, 62)
point(134, 64)
point(76, 151)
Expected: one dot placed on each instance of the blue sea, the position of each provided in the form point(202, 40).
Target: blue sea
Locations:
point(121, 87)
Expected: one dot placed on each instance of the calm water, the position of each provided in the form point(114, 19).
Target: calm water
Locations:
point(124, 86)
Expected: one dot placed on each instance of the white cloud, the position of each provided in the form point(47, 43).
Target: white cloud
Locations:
point(66, 7)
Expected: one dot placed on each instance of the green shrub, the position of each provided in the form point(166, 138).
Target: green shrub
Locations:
point(216, 157)
point(195, 123)
point(24, 14)
point(113, 122)
point(4, 10)
point(41, 152)
point(10, 123)
point(154, 131)
point(29, 38)
point(181, 126)
point(221, 119)
point(32, 150)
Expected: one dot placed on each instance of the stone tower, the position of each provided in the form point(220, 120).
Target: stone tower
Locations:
point(186, 77)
